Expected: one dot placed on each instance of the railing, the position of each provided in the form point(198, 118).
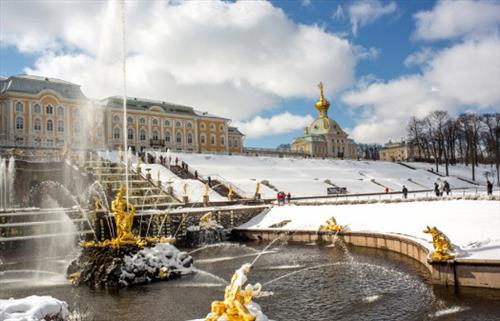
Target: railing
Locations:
point(157, 142)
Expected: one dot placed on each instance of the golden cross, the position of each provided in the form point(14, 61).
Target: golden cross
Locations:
point(321, 88)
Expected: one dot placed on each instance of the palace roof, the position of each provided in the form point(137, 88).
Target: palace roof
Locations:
point(31, 84)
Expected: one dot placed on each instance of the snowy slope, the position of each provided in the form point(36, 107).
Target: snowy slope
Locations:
point(306, 177)
point(473, 226)
point(461, 170)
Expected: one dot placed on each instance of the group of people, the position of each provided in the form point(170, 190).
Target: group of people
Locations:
point(489, 187)
point(283, 198)
point(441, 187)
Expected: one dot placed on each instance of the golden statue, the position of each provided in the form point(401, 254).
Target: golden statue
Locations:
point(138, 165)
point(237, 297)
point(206, 219)
point(332, 226)
point(158, 176)
point(230, 192)
point(185, 187)
point(257, 188)
point(205, 193)
point(442, 245)
point(124, 218)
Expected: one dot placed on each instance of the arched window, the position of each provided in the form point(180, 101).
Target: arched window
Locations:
point(189, 125)
point(230, 143)
point(203, 139)
point(156, 135)
point(37, 109)
point(212, 127)
point(60, 111)
point(60, 126)
point(142, 120)
point(221, 128)
point(222, 140)
point(235, 143)
point(178, 124)
point(178, 138)
point(166, 123)
point(167, 136)
point(38, 124)
point(130, 120)
point(116, 133)
point(19, 123)
point(202, 126)
point(49, 110)
point(19, 107)
point(143, 134)
point(155, 122)
point(116, 118)
point(77, 126)
point(190, 138)
point(130, 133)
point(212, 139)
point(50, 125)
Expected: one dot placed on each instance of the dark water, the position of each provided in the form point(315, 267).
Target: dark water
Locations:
point(359, 284)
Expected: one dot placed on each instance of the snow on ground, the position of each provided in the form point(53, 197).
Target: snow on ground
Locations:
point(460, 170)
point(311, 177)
point(473, 226)
point(33, 308)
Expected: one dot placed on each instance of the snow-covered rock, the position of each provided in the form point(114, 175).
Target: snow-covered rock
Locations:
point(33, 308)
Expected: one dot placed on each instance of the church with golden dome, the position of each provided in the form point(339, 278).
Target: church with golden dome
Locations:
point(324, 137)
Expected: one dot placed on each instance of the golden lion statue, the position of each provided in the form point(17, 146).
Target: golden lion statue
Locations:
point(442, 245)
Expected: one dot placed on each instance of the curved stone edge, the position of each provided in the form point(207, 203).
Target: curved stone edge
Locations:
point(460, 272)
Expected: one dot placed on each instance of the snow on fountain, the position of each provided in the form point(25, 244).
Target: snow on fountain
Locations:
point(33, 308)
point(7, 174)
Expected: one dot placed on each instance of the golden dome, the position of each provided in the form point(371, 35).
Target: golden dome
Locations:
point(322, 104)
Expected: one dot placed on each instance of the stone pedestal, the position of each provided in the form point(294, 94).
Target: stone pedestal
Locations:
point(185, 199)
point(206, 200)
point(257, 196)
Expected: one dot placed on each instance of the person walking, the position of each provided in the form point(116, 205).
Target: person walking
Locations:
point(288, 197)
point(436, 188)
point(209, 181)
point(489, 187)
point(447, 188)
point(405, 192)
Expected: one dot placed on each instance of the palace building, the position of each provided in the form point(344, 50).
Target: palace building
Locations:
point(324, 137)
point(40, 112)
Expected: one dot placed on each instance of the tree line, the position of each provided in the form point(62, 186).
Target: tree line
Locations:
point(470, 138)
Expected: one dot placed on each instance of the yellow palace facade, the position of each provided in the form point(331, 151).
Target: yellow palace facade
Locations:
point(40, 112)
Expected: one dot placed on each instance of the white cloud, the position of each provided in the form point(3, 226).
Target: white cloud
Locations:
point(306, 3)
point(364, 12)
point(231, 58)
point(339, 13)
point(277, 124)
point(451, 19)
point(420, 57)
point(463, 76)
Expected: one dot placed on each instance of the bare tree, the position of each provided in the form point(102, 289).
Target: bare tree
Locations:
point(470, 125)
point(492, 124)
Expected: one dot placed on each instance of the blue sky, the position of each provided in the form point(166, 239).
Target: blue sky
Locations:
point(362, 49)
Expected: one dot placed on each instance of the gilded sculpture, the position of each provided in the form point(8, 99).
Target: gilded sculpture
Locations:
point(443, 250)
point(237, 298)
point(124, 217)
point(332, 226)
point(230, 192)
point(205, 193)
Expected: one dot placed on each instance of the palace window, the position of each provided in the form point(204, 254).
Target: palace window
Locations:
point(189, 125)
point(130, 133)
point(19, 123)
point(37, 109)
point(221, 128)
point(130, 120)
point(49, 110)
point(230, 143)
point(202, 126)
point(212, 139)
point(116, 118)
point(203, 139)
point(178, 138)
point(38, 124)
point(178, 124)
point(155, 122)
point(50, 142)
point(156, 135)
point(222, 140)
point(143, 134)
point(60, 126)
point(190, 138)
point(19, 107)
point(167, 136)
point(142, 120)
point(235, 143)
point(60, 111)
point(77, 126)
point(212, 127)
point(166, 123)
point(116, 133)
point(50, 125)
